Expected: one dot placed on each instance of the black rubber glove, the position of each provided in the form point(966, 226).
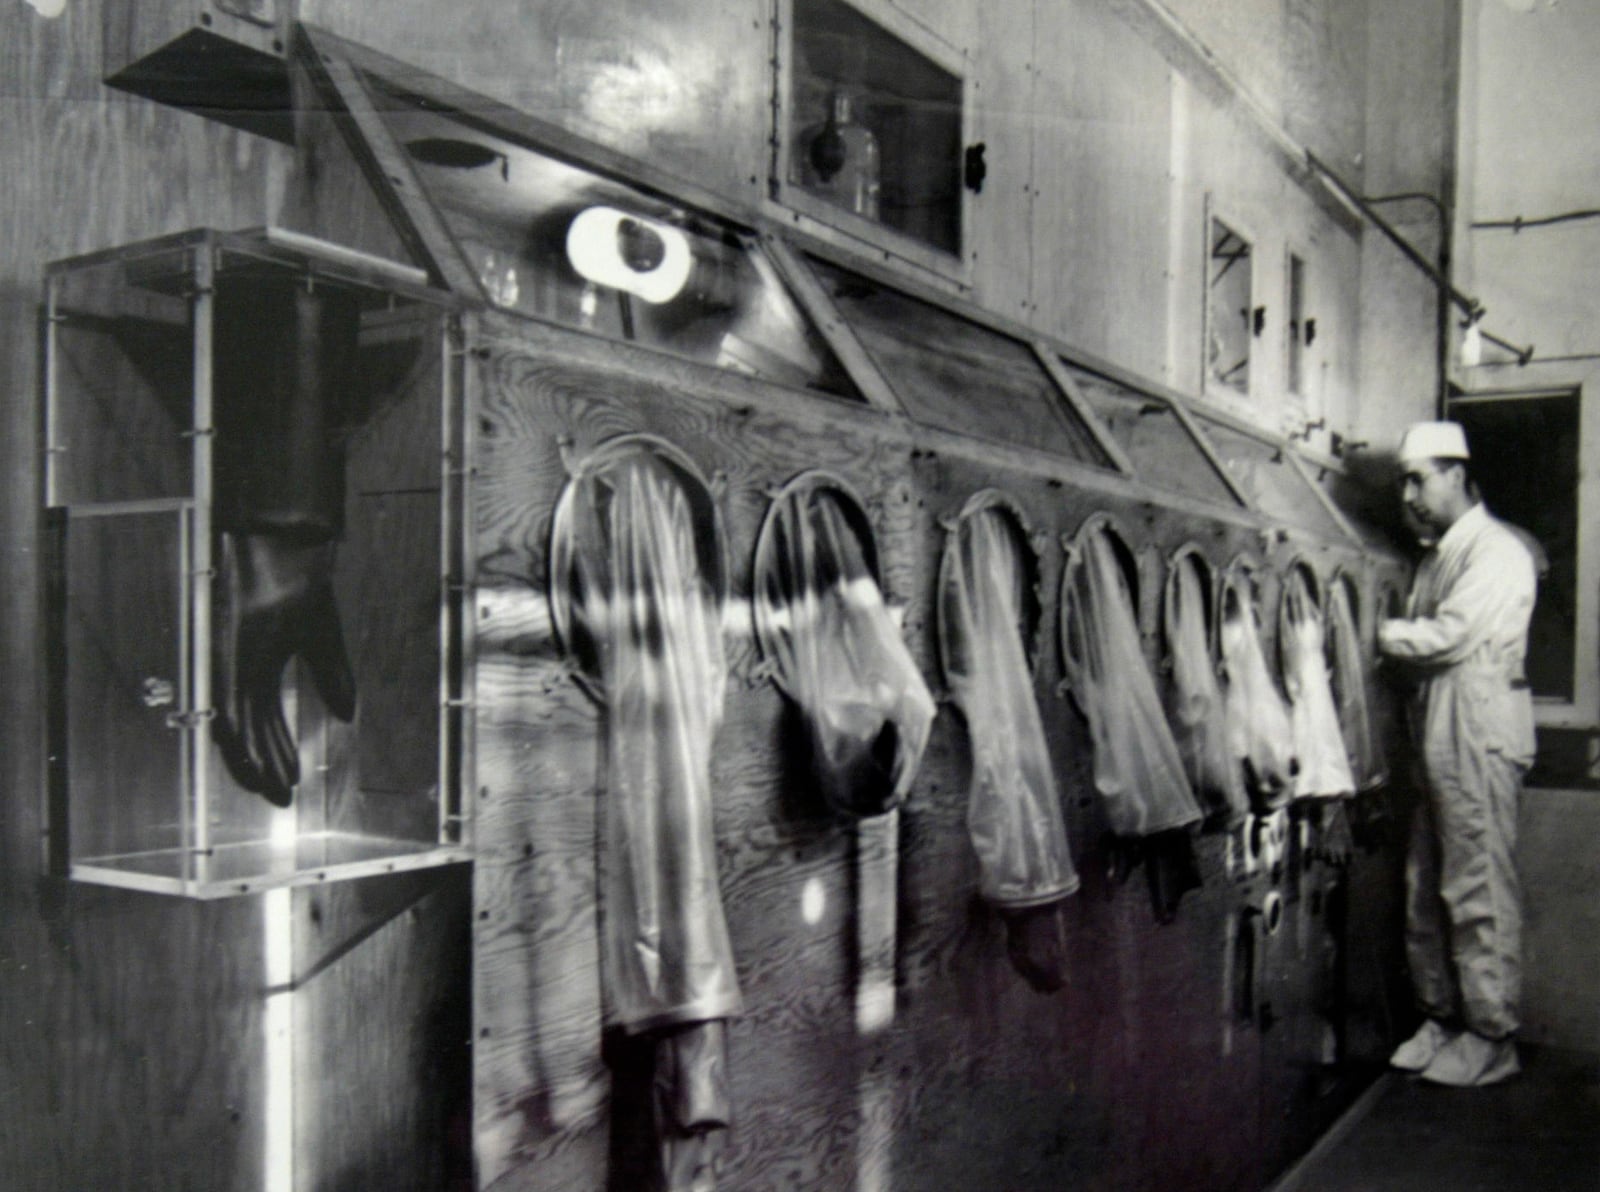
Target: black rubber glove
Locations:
point(274, 602)
point(693, 1104)
point(1036, 942)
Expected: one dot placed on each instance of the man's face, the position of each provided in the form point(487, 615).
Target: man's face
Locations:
point(1432, 493)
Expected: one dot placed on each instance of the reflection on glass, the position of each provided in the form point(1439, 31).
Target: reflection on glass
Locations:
point(1147, 428)
point(562, 243)
point(838, 159)
point(1228, 307)
point(874, 124)
point(1272, 482)
point(953, 373)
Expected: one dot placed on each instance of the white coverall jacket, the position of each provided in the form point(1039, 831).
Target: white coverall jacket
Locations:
point(1466, 630)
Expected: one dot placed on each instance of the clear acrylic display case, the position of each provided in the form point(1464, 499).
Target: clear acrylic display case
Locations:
point(148, 349)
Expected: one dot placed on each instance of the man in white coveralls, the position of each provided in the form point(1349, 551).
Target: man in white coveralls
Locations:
point(1465, 633)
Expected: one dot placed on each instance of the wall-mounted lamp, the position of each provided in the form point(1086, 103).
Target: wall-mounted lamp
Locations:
point(639, 256)
point(1472, 340)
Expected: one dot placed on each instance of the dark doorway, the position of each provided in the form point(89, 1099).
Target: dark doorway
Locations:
point(1525, 456)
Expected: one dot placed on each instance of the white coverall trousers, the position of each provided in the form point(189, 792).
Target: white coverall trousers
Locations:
point(1463, 902)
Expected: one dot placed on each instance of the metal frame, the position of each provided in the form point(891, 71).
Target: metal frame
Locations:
point(790, 203)
point(197, 867)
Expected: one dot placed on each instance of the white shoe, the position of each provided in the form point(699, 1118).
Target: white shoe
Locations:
point(1470, 1061)
point(1417, 1052)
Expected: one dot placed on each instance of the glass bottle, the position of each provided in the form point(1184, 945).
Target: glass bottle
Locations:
point(839, 159)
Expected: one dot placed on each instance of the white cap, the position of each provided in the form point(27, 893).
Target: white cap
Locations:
point(1433, 440)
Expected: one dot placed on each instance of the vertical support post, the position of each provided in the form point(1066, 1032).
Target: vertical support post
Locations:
point(456, 638)
point(451, 609)
point(201, 563)
point(52, 448)
point(56, 851)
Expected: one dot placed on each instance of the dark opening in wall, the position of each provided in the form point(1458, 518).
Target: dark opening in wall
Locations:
point(1525, 459)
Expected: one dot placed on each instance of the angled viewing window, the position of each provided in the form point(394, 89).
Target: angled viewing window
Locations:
point(1230, 309)
point(1267, 473)
point(560, 242)
point(871, 125)
point(957, 374)
point(1152, 433)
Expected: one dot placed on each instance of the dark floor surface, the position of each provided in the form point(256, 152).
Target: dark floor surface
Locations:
point(1538, 1132)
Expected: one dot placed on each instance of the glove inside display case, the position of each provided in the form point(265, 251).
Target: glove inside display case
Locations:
point(255, 607)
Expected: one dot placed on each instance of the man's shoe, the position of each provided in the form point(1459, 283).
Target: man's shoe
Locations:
point(1470, 1061)
point(1417, 1052)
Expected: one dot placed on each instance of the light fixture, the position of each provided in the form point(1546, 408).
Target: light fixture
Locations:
point(1472, 340)
point(639, 256)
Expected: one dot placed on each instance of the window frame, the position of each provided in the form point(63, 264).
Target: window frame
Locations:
point(790, 204)
point(1211, 387)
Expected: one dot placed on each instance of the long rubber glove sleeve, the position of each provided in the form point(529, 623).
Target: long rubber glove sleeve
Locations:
point(643, 601)
point(274, 601)
point(1198, 714)
point(1350, 677)
point(1260, 734)
point(867, 706)
point(1319, 744)
point(1013, 809)
point(1137, 767)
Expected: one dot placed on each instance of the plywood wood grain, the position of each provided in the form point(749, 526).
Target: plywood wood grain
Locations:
point(976, 1078)
point(132, 1034)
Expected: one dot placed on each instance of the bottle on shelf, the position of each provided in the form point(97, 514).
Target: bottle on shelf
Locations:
point(838, 159)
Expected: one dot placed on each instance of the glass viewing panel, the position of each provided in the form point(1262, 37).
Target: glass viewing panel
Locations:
point(562, 243)
point(123, 379)
point(957, 374)
point(1148, 429)
point(1229, 307)
point(1273, 483)
point(875, 125)
point(1370, 509)
point(119, 636)
point(1300, 330)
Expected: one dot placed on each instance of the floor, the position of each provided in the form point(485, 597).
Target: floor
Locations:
point(1539, 1132)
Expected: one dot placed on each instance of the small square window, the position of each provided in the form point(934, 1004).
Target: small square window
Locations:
point(1230, 309)
point(1300, 328)
point(871, 127)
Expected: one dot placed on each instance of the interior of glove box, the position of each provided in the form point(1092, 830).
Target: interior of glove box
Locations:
point(138, 429)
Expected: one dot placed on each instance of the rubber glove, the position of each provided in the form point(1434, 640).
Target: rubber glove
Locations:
point(274, 602)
